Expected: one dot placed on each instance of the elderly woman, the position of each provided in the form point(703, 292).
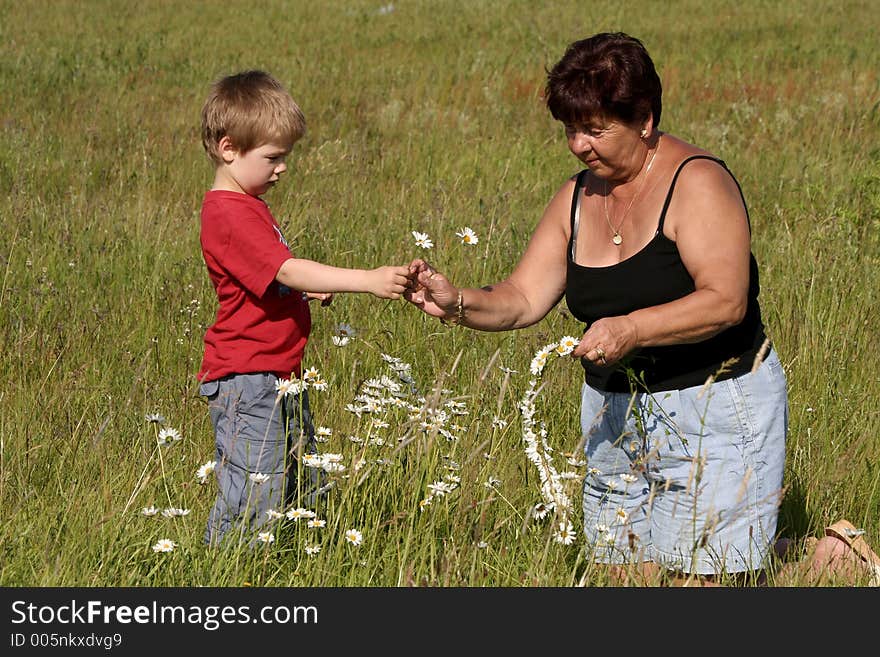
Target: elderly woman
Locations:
point(684, 401)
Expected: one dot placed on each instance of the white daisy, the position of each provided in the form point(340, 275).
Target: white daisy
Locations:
point(353, 536)
point(174, 512)
point(318, 384)
point(468, 236)
point(316, 523)
point(164, 545)
point(285, 387)
point(312, 550)
point(482, 545)
point(324, 432)
point(423, 240)
point(168, 435)
point(298, 513)
point(266, 537)
point(498, 423)
point(565, 533)
point(258, 477)
point(340, 340)
point(492, 482)
point(205, 470)
point(273, 514)
point(149, 511)
point(154, 418)
point(621, 515)
point(541, 510)
point(311, 374)
point(629, 478)
point(566, 345)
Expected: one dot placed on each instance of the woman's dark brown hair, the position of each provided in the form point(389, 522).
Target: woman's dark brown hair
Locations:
point(608, 75)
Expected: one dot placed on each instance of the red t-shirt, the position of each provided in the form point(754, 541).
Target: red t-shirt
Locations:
point(261, 325)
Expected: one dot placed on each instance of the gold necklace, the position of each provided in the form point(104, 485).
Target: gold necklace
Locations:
point(617, 238)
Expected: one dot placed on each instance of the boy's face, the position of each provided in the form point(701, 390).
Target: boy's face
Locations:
point(253, 172)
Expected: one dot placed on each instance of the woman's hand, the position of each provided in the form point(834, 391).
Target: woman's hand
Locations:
point(608, 340)
point(431, 291)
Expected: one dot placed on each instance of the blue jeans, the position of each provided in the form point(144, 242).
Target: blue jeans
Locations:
point(257, 432)
point(690, 479)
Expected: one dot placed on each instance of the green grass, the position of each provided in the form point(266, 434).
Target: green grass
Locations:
point(425, 118)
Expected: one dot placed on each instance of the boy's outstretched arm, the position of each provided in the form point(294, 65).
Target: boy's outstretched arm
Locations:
point(387, 282)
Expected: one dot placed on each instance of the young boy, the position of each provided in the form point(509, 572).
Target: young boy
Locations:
point(249, 126)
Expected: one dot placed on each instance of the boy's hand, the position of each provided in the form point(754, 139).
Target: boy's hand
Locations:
point(388, 282)
point(326, 298)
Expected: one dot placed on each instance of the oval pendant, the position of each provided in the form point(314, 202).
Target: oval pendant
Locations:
point(617, 239)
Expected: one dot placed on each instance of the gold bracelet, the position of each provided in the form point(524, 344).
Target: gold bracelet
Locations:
point(459, 312)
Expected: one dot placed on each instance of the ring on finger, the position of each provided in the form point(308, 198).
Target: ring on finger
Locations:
point(600, 355)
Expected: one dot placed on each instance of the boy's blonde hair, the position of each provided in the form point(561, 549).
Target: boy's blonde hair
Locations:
point(252, 108)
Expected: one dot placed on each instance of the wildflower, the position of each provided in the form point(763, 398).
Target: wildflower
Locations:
point(316, 523)
point(507, 370)
point(205, 470)
point(441, 488)
point(340, 341)
point(629, 478)
point(323, 433)
point(566, 345)
point(492, 482)
point(318, 384)
point(266, 537)
point(468, 236)
point(565, 533)
point(357, 440)
point(379, 424)
point(538, 362)
point(422, 240)
point(285, 387)
point(621, 515)
point(298, 513)
point(154, 418)
point(576, 462)
point(149, 511)
point(274, 515)
point(174, 512)
point(541, 510)
point(345, 330)
point(498, 423)
point(168, 435)
point(164, 545)
point(311, 374)
point(353, 536)
point(482, 545)
point(258, 477)
point(312, 550)
point(425, 502)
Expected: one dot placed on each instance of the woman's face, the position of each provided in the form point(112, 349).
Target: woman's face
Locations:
point(609, 148)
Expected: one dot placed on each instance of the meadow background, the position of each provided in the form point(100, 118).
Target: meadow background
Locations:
point(426, 116)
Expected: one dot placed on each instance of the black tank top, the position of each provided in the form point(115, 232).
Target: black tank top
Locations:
point(653, 276)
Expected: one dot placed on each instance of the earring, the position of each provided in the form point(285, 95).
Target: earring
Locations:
point(644, 132)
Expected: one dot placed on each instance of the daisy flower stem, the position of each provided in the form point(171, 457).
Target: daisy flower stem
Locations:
point(164, 478)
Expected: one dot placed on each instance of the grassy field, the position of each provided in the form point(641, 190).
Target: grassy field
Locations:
point(422, 116)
